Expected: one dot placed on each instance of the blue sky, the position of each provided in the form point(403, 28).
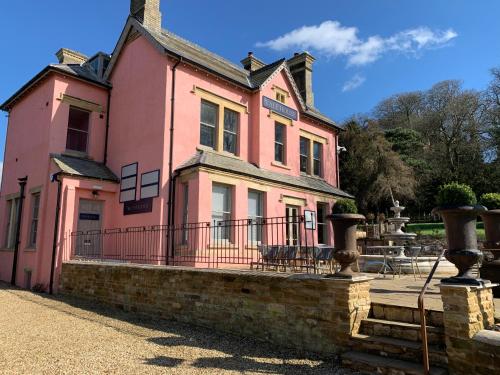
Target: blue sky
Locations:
point(365, 50)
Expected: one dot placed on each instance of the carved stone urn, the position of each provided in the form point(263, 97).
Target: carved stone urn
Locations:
point(491, 266)
point(463, 252)
point(344, 234)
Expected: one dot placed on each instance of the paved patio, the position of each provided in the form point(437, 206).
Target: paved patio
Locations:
point(404, 291)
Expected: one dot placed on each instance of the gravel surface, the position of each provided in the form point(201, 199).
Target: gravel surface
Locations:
point(62, 335)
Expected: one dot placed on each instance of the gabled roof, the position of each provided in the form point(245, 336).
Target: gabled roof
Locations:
point(78, 167)
point(216, 161)
point(171, 44)
point(74, 70)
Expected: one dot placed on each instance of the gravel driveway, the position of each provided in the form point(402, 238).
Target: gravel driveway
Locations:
point(61, 335)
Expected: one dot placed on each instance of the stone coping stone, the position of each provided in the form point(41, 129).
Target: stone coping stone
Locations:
point(468, 287)
point(229, 272)
point(488, 337)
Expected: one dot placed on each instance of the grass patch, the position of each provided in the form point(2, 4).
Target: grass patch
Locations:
point(437, 229)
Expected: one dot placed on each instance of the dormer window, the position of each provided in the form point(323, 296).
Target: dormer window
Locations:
point(280, 97)
point(78, 130)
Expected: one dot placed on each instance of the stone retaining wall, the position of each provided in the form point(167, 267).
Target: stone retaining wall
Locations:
point(306, 312)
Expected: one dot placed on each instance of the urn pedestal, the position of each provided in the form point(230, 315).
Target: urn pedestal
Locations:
point(491, 265)
point(463, 252)
point(344, 234)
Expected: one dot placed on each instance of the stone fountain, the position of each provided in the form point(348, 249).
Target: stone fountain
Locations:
point(397, 236)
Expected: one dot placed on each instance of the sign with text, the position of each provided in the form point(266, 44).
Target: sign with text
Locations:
point(86, 216)
point(138, 207)
point(279, 108)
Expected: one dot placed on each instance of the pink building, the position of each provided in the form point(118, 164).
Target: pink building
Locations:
point(160, 133)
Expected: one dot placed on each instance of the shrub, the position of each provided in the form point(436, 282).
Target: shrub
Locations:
point(345, 206)
point(491, 201)
point(455, 194)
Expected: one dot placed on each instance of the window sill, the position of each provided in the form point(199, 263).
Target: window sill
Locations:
point(7, 250)
point(280, 165)
point(312, 176)
point(30, 249)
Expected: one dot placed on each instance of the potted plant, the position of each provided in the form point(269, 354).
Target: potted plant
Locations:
point(345, 219)
point(457, 207)
point(491, 219)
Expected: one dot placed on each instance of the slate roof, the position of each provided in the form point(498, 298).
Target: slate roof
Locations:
point(78, 71)
point(78, 167)
point(217, 161)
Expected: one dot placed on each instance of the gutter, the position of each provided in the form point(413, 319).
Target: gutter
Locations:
point(19, 216)
point(54, 178)
point(171, 152)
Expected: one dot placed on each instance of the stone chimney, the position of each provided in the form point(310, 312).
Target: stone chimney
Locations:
point(148, 13)
point(301, 68)
point(252, 63)
point(67, 56)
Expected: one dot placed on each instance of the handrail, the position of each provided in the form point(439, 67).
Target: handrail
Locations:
point(421, 308)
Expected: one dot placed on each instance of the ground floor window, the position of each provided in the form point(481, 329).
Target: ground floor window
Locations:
point(10, 230)
point(35, 209)
point(255, 215)
point(185, 206)
point(322, 229)
point(221, 211)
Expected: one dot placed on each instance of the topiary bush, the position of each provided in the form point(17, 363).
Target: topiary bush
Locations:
point(345, 206)
point(491, 201)
point(455, 194)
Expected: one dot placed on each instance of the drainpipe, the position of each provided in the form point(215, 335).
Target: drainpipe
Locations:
point(55, 178)
point(107, 129)
point(171, 153)
point(19, 215)
point(337, 154)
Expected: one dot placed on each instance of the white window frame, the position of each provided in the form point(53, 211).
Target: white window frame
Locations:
point(35, 218)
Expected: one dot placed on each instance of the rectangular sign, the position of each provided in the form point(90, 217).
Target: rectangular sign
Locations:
point(138, 207)
point(279, 108)
point(94, 217)
point(310, 219)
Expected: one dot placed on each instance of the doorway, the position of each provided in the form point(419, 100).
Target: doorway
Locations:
point(292, 225)
point(89, 243)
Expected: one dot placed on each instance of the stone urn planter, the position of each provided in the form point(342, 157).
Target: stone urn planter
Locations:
point(461, 237)
point(344, 234)
point(491, 265)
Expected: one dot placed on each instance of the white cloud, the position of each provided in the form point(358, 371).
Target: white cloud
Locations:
point(356, 81)
point(332, 39)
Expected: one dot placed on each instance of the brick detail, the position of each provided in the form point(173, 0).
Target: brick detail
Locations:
point(148, 13)
point(306, 312)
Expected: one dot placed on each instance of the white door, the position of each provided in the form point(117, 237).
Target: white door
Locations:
point(292, 225)
point(90, 224)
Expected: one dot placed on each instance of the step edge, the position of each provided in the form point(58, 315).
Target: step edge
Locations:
point(416, 345)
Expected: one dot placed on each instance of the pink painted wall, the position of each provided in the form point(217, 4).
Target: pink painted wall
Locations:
point(138, 123)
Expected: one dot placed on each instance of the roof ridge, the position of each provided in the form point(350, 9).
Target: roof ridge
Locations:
point(276, 64)
point(197, 46)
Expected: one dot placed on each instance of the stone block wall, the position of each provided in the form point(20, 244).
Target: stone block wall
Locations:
point(306, 312)
point(471, 344)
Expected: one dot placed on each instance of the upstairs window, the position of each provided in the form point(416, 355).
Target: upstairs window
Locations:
point(35, 209)
point(208, 123)
point(280, 97)
point(317, 156)
point(78, 130)
point(231, 119)
point(279, 143)
point(305, 157)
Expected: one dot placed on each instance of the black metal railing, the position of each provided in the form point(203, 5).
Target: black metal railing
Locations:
point(279, 243)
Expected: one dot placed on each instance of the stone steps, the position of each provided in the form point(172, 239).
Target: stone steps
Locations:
point(375, 364)
point(405, 314)
point(400, 330)
point(389, 347)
